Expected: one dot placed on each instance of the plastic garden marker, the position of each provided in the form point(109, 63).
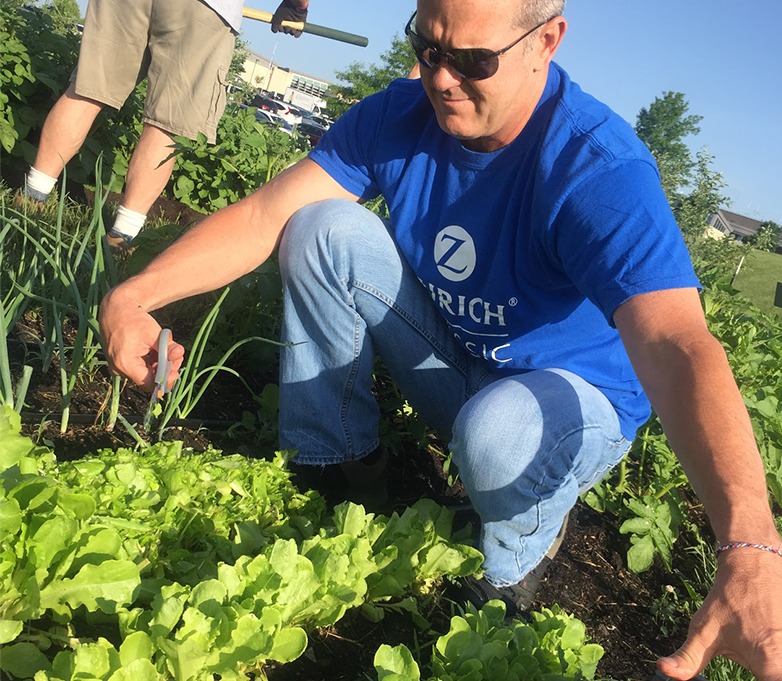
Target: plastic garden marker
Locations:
point(313, 29)
point(161, 376)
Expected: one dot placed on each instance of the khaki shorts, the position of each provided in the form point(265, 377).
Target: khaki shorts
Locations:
point(182, 46)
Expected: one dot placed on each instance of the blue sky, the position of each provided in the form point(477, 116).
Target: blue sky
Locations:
point(725, 56)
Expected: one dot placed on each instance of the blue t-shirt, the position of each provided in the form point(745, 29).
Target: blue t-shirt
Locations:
point(527, 250)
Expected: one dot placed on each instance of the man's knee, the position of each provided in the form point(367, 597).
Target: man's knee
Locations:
point(325, 229)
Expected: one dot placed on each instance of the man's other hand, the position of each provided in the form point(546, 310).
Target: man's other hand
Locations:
point(741, 619)
point(290, 10)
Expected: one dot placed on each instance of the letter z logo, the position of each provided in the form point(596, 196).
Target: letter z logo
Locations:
point(454, 253)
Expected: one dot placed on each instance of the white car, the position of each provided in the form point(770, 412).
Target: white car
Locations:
point(276, 107)
point(268, 118)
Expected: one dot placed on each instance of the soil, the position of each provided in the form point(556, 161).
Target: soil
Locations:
point(588, 578)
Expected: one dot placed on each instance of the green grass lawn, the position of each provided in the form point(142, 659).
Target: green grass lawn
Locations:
point(758, 279)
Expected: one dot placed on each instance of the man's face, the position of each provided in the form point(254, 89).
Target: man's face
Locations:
point(485, 114)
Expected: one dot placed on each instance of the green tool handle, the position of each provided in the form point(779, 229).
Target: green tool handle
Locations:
point(334, 34)
point(314, 29)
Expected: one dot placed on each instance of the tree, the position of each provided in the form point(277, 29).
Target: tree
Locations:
point(767, 236)
point(713, 259)
point(663, 127)
point(363, 80)
point(240, 55)
point(693, 210)
point(65, 15)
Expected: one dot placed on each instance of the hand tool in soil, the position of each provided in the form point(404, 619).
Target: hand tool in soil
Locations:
point(313, 29)
point(161, 376)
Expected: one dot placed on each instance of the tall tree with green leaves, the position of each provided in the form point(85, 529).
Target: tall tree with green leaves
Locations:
point(693, 210)
point(663, 128)
point(362, 80)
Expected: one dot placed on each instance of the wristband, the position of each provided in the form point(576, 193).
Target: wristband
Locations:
point(742, 545)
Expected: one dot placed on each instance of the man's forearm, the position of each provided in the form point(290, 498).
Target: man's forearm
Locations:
point(219, 250)
point(707, 424)
point(685, 373)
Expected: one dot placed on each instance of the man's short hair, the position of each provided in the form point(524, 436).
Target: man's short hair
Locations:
point(534, 12)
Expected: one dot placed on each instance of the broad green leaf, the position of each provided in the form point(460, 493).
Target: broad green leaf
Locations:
point(34, 494)
point(396, 664)
point(10, 517)
point(574, 634)
point(23, 660)
point(373, 613)
point(588, 657)
point(14, 446)
point(56, 535)
point(95, 660)
point(167, 609)
point(136, 646)
point(79, 506)
point(640, 509)
point(640, 556)
point(636, 526)
point(106, 587)
point(9, 630)
point(185, 659)
point(101, 542)
point(208, 594)
point(350, 519)
point(249, 643)
point(455, 641)
point(289, 644)
point(138, 670)
point(443, 559)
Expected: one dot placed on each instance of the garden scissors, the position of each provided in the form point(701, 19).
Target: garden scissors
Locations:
point(161, 376)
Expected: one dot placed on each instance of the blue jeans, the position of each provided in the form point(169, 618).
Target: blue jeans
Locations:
point(526, 444)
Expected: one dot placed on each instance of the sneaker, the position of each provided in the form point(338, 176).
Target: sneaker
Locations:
point(517, 597)
point(363, 482)
point(118, 242)
point(26, 201)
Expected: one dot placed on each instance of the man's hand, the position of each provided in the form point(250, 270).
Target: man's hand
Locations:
point(741, 619)
point(131, 335)
point(290, 10)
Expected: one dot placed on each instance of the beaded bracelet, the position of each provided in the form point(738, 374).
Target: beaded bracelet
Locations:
point(741, 545)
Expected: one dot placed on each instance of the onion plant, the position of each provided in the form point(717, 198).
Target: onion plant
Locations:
point(67, 272)
point(194, 378)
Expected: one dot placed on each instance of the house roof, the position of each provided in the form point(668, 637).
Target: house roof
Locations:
point(739, 225)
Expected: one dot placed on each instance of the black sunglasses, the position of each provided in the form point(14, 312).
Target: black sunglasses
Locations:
point(472, 63)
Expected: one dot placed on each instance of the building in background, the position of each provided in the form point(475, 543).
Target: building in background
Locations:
point(298, 88)
point(724, 223)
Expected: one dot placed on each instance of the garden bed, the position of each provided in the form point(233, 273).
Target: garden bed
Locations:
point(588, 579)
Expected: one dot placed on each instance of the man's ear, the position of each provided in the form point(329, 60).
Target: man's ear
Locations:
point(548, 41)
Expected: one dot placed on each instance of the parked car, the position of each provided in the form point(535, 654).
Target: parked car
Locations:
point(312, 132)
point(262, 102)
point(268, 118)
point(322, 121)
point(298, 111)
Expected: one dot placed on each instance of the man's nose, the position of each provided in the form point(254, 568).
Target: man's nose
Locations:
point(445, 76)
